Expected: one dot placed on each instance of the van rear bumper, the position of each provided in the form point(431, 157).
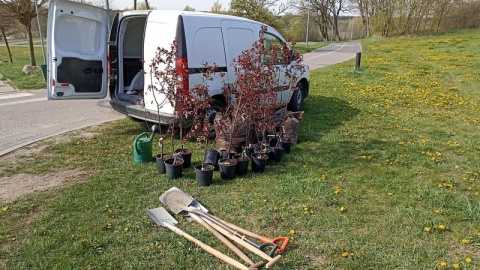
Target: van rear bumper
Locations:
point(139, 112)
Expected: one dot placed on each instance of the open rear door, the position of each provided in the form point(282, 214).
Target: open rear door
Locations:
point(77, 51)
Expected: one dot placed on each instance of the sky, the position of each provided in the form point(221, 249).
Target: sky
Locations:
point(198, 5)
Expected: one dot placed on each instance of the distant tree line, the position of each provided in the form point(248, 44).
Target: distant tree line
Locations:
point(327, 19)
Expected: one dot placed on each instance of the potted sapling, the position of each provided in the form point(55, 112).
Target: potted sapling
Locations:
point(163, 80)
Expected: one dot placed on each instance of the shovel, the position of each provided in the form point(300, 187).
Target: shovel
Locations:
point(185, 198)
point(181, 203)
point(164, 219)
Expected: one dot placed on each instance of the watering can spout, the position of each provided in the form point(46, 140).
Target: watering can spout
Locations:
point(154, 130)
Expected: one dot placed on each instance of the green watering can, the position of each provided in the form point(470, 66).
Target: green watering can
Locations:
point(142, 146)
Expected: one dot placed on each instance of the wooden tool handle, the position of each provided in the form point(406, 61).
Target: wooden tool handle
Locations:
point(207, 248)
point(222, 239)
point(235, 227)
point(246, 245)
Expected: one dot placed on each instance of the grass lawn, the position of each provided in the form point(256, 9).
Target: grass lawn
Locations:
point(386, 176)
point(12, 72)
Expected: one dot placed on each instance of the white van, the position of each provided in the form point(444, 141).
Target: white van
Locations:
point(88, 57)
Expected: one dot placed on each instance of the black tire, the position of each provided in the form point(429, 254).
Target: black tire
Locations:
point(216, 106)
point(296, 101)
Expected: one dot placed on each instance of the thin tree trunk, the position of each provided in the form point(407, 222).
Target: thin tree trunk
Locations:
point(6, 43)
point(33, 62)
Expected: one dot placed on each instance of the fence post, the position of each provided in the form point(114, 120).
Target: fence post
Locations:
point(357, 62)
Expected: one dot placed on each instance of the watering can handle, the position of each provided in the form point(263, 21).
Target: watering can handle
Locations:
point(136, 140)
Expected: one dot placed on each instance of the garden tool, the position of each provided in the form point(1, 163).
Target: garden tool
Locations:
point(164, 219)
point(179, 202)
point(185, 199)
point(176, 205)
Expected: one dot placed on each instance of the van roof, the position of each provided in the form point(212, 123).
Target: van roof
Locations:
point(189, 14)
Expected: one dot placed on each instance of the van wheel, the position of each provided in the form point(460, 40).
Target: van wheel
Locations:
point(216, 107)
point(296, 100)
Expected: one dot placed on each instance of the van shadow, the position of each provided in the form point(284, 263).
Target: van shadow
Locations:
point(323, 115)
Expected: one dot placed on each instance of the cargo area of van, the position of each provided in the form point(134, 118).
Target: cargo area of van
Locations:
point(129, 62)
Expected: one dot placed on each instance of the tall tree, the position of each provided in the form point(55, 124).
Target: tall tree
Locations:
point(266, 11)
point(7, 21)
point(217, 8)
point(24, 11)
point(188, 8)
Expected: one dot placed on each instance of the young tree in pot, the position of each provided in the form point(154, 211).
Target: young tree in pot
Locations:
point(164, 78)
point(200, 125)
point(290, 62)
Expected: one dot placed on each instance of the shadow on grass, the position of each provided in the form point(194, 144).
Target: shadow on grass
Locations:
point(323, 115)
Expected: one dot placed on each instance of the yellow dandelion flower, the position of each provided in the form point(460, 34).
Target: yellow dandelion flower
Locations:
point(345, 254)
point(468, 260)
point(5, 208)
point(456, 266)
point(441, 227)
point(465, 241)
point(342, 209)
point(275, 208)
point(440, 185)
point(265, 200)
point(437, 211)
point(292, 232)
point(126, 229)
point(469, 188)
point(390, 194)
point(443, 264)
point(438, 154)
point(426, 229)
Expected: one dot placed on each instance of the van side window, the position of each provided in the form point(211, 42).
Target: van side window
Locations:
point(270, 41)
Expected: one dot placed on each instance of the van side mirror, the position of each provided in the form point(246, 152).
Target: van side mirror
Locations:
point(293, 55)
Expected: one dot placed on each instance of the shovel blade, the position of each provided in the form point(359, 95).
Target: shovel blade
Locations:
point(161, 216)
point(176, 200)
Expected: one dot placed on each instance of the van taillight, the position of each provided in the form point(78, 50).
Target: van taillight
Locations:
point(181, 64)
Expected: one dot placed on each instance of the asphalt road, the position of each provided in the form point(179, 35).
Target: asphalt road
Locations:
point(27, 116)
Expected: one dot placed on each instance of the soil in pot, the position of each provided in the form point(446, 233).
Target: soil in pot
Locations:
point(259, 161)
point(227, 168)
point(174, 168)
point(204, 174)
point(161, 169)
point(186, 155)
point(242, 164)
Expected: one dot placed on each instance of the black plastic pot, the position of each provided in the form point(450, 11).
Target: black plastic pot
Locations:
point(227, 168)
point(259, 161)
point(242, 165)
point(161, 163)
point(249, 151)
point(187, 157)
point(212, 157)
point(174, 168)
point(286, 147)
point(277, 154)
point(204, 174)
point(269, 152)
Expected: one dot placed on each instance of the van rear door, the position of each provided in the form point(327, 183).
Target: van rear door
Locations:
point(77, 50)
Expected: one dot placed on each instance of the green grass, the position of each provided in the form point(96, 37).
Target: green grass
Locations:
point(301, 47)
point(12, 72)
point(385, 152)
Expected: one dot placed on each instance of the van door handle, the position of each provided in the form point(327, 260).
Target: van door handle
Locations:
point(87, 70)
